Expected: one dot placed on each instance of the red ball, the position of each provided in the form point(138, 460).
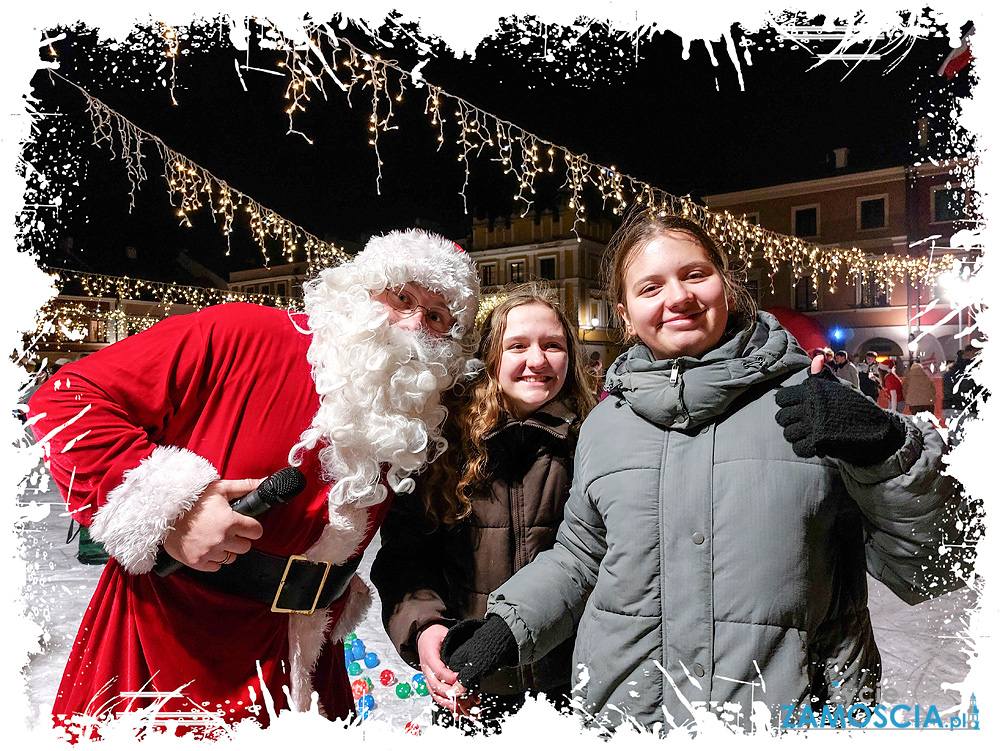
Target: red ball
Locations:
point(387, 678)
point(412, 728)
point(359, 688)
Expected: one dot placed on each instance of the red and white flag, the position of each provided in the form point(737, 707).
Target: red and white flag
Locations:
point(958, 58)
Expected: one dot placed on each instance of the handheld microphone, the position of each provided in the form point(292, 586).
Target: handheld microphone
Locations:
point(280, 487)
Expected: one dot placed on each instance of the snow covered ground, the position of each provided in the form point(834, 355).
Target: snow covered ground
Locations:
point(922, 647)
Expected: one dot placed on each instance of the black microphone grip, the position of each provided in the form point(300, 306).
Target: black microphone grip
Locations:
point(280, 487)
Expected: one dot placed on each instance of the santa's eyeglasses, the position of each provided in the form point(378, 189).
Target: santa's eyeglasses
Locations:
point(404, 302)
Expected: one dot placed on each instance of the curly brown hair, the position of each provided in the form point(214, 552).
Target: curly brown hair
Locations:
point(477, 407)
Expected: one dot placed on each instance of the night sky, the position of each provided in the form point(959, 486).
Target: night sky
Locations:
point(682, 125)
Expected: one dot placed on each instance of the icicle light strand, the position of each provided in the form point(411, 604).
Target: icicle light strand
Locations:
point(524, 155)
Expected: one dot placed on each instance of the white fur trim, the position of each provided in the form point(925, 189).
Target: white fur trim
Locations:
point(137, 514)
point(305, 640)
point(359, 600)
point(341, 540)
point(437, 263)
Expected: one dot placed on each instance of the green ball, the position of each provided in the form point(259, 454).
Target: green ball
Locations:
point(354, 668)
point(368, 680)
point(421, 689)
point(403, 690)
point(350, 637)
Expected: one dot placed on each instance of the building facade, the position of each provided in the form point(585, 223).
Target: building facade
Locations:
point(545, 248)
point(900, 211)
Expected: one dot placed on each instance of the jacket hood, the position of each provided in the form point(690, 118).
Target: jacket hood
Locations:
point(687, 392)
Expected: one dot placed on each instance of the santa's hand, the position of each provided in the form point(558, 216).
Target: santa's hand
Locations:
point(211, 534)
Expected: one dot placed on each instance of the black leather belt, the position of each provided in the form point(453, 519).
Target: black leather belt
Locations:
point(289, 585)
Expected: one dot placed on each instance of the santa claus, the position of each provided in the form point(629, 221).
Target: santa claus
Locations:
point(151, 440)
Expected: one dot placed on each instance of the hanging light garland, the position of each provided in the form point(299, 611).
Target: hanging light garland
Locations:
point(525, 155)
point(165, 293)
point(192, 187)
point(70, 321)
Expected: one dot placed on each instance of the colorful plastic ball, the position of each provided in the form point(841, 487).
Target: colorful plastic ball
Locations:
point(421, 688)
point(350, 637)
point(367, 701)
point(348, 658)
point(387, 678)
point(363, 709)
point(359, 688)
point(371, 660)
point(368, 682)
point(403, 690)
point(358, 650)
point(354, 669)
point(417, 678)
point(412, 728)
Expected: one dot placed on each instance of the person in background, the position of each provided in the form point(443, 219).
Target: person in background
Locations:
point(962, 392)
point(843, 368)
point(892, 385)
point(918, 390)
point(490, 505)
point(595, 369)
point(728, 497)
point(868, 379)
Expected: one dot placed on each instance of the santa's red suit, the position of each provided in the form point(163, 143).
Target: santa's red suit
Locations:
point(225, 392)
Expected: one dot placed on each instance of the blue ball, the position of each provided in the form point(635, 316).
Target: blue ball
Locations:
point(367, 701)
point(418, 678)
point(356, 643)
point(348, 657)
point(358, 650)
point(371, 660)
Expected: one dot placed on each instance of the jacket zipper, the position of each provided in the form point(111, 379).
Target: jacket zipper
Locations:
point(520, 554)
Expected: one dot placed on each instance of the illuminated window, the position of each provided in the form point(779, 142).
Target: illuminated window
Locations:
point(516, 272)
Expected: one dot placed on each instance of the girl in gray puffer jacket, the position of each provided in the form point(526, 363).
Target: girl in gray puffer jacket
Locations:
point(728, 498)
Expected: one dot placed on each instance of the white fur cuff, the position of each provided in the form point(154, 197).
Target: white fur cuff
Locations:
point(138, 513)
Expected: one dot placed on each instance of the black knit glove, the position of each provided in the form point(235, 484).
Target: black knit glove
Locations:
point(824, 417)
point(476, 648)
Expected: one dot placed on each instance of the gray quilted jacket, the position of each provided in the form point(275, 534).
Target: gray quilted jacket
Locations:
point(704, 563)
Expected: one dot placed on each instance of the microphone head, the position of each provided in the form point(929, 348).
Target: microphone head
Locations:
point(282, 485)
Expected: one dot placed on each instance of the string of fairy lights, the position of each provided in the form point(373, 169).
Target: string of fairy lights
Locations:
point(525, 155)
point(191, 187)
point(66, 320)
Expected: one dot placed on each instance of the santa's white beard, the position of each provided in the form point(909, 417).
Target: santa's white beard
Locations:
point(379, 387)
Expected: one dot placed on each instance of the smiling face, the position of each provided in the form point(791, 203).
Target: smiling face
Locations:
point(534, 359)
point(675, 298)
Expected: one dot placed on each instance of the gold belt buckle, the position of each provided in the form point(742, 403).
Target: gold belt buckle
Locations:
point(319, 590)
